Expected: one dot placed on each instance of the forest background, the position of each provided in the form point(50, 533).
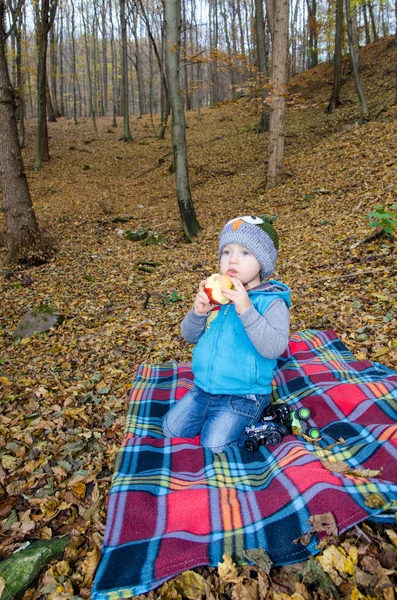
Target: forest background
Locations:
point(64, 392)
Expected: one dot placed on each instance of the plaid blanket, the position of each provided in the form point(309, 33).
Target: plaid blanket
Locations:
point(173, 505)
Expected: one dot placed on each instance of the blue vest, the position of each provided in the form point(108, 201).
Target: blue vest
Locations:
point(225, 360)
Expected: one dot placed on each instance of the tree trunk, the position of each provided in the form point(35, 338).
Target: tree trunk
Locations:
point(190, 224)
point(22, 231)
point(54, 70)
point(229, 49)
point(114, 67)
point(353, 61)
point(20, 101)
point(294, 40)
point(61, 73)
point(355, 33)
point(373, 22)
point(185, 72)
point(138, 67)
point(50, 108)
point(74, 72)
point(366, 25)
point(44, 22)
point(104, 59)
point(127, 137)
point(275, 170)
point(334, 101)
point(263, 124)
point(313, 34)
point(89, 76)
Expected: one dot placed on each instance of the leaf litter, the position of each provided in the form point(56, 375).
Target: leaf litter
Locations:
point(64, 393)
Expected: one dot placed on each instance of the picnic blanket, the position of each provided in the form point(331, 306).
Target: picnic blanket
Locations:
point(173, 505)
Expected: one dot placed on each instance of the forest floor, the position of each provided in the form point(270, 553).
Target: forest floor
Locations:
point(64, 393)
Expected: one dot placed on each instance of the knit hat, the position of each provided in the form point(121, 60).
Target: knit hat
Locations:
point(258, 235)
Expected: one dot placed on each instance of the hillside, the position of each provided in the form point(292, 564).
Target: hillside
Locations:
point(117, 315)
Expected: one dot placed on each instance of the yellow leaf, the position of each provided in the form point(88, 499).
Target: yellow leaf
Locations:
point(374, 501)
point(80, 489)
point(8, 461)
point(90, 564)
point(228, 570)
point(381, 352)
point(392, 536)
point(5, 381)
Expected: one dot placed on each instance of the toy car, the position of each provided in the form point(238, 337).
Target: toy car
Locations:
point(278, 420)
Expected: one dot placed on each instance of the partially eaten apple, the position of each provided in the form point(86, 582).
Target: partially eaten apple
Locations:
point(213, 288)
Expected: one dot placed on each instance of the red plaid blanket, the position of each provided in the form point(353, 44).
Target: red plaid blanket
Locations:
point(173, 505)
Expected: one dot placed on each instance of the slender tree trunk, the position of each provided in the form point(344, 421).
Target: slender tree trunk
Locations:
point(104, 59)
point(191, 226)
point(74, 72)
point(50, 107)
point(114, 68)
point(185, 71)
point(89, 75)
point(366, 25)
point(138, 67)
point(98, 96)
point(313, 34)
point(229, 49)
point(355, 33)
point(20, 101)
point(23, 238)
point(54, 70)
point(263, 124)
point(275, 171)
point(334, 101)
point(61, 60)
point(353, 61)
point(127, 137)
point(45, 18)
point(373, 21)
point(294, 39)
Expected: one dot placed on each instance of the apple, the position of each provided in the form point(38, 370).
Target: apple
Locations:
point(213, 288)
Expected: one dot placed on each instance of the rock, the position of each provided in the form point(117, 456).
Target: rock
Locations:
point(37, 321)
point(136, 236)
point(22, 568)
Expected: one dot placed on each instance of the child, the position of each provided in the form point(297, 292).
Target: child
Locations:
point(237, 344)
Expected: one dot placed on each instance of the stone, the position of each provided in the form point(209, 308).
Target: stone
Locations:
point(38, 320)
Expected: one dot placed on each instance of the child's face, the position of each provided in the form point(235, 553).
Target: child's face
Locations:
point(239, 262)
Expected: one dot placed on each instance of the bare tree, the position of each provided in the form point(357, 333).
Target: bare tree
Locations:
point(279, 15)
point(92, 103)
point(127, 137)
point(45, 15)
point(313, 33)
point(191, 226)
point(354, 62)
point(23, 237)
point(334, 101)
point(263, 124)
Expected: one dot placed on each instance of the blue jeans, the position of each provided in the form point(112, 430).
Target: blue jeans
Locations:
point(220, 419)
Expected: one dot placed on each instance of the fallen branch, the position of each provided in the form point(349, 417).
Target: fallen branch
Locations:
point(379, 231)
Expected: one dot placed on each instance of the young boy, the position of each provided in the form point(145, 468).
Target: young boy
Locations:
point(237, 344)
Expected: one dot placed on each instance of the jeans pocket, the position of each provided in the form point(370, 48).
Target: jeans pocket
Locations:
point(246, 406)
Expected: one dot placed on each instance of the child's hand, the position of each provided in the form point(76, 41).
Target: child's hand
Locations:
point(238, 296)
point(202, 305)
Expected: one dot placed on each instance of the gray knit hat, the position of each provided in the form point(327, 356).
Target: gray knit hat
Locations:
point(258, 235)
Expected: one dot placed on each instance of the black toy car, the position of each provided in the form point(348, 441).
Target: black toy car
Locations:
point(278, 420)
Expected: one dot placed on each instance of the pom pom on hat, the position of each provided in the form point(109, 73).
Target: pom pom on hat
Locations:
point(258, 235)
